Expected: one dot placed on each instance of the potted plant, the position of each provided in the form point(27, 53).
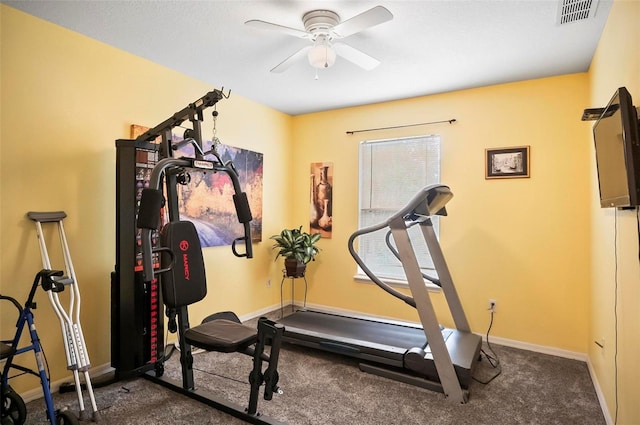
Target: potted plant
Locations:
point(297, 248)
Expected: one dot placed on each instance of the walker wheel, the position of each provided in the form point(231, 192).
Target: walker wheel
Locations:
point(14, 411)
point(65, 417)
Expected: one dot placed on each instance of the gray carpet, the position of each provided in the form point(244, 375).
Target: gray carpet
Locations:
point(321, 388)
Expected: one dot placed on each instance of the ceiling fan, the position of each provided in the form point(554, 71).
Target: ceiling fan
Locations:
point(323, 28)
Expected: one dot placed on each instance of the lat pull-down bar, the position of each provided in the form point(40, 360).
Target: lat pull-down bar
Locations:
point(191, 112)
point(152, 201)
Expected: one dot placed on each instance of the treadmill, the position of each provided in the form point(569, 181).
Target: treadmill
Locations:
point(427, 355)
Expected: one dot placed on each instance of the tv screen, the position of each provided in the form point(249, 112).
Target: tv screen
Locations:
point(617, 146)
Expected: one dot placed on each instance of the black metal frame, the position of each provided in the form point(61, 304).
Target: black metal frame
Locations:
point(137, 328)
point(136, 340)
point(128, 288)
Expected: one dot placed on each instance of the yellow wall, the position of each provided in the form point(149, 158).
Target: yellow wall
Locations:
point(523, 242)
point(65, 100)
point(540, 246)
point(616, 64)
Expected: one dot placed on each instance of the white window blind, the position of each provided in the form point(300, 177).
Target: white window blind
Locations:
point(392, 171)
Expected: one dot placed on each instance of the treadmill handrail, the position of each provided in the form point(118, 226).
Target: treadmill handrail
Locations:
point(396, 254)
point(407, 299)
point(430, 200)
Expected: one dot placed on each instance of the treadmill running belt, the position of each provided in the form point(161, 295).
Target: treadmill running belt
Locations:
point(356, 329)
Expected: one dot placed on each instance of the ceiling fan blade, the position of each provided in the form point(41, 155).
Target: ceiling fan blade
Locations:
point(367, 19)
point(355, 56)
point(286, 64)
point(256, 23)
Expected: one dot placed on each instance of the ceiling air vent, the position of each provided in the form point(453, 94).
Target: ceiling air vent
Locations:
point(576, 10)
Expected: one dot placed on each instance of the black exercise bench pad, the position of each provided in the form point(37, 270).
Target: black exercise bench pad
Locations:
point(221, 335)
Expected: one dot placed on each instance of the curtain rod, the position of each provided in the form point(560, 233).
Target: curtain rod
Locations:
point(451, 121)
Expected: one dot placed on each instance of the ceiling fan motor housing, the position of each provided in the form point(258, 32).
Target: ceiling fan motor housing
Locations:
point(320, 21)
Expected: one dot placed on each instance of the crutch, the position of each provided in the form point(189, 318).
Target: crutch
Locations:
point(74, 344)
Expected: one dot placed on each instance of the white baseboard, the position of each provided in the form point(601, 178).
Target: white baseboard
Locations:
point(36, 393)
point(553, 351)
point(600, 394)
point(263, 311)
point(497, 340)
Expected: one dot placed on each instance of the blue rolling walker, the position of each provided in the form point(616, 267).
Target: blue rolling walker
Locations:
point(13, 407)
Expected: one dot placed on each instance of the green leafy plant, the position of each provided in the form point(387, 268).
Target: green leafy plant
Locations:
point(296, 244)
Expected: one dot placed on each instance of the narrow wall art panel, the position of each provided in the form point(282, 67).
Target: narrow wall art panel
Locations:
point(321, 202)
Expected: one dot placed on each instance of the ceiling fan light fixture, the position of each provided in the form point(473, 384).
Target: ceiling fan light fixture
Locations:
point(323, 27)
point(322, 55)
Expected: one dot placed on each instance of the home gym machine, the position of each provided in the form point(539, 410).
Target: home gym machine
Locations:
point(426, 355)
point(161, 263)
point(137, 328)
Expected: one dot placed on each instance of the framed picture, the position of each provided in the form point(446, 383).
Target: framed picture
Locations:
point(503, 163)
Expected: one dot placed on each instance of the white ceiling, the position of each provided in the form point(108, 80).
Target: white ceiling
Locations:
point(429, 47)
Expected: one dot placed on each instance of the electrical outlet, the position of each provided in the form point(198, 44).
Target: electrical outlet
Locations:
point(492, 306)
point(268, 283)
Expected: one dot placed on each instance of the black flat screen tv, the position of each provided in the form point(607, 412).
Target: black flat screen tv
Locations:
point(617, 142)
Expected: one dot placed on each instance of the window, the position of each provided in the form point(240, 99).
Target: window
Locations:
point(391, 172)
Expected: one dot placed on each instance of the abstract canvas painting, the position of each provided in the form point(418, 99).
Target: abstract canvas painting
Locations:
point(207, 199)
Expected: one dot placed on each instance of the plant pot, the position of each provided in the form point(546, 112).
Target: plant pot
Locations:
point(294, 268)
